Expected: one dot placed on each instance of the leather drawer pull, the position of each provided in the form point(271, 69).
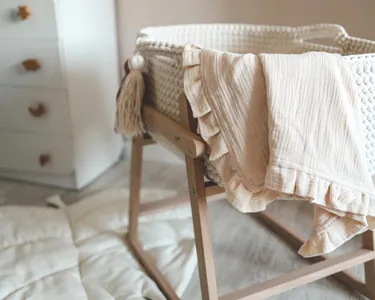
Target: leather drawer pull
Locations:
point(31, 65)
point(24, 12)
point(44, 159)
point(37, 111)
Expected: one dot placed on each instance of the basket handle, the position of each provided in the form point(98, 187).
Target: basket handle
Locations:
point(318, 31)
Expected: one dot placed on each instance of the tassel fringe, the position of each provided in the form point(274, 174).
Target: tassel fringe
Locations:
point(130, 98)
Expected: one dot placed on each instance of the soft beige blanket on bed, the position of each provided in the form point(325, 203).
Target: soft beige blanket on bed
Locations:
point(285, 127)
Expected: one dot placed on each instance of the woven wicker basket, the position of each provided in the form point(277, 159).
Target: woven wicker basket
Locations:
point(162, 48)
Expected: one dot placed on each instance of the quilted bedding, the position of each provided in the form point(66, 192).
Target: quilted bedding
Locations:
point(78, 252)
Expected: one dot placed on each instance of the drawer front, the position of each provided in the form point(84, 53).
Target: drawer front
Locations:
point(30, 110)
point(25, 19)
point(30, 63)
point(36, 152)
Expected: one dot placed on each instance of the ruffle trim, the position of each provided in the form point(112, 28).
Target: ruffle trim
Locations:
point(337, 201)
point(340, 198)
point(342, 226)
point(238, 195)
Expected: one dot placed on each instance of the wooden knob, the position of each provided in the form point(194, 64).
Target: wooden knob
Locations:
point(31, 65)
point(44, 159)
point(24, 12)
point(37, 111)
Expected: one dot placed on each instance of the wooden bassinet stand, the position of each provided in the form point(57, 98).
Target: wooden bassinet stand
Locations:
point(188, 141)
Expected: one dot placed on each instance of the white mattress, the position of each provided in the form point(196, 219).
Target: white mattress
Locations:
point(78, 252)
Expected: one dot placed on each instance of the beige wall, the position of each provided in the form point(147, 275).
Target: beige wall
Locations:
point(357, 16)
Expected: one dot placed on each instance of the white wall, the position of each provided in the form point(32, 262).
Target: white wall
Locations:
point(356, 16)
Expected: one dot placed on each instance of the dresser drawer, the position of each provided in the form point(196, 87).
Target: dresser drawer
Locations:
point(30, 63)
point(36, 152)
point(27, 19)
point(31, 110)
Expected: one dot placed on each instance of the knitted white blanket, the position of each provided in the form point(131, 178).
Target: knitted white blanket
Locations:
point(285, 127)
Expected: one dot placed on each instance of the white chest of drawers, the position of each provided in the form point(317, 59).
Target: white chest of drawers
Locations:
point(58, 81)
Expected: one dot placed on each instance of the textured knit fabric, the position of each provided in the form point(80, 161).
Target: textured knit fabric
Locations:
point(285, 127)
point(163, 47)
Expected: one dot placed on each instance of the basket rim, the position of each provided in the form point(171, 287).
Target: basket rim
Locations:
point(159, 39)
point(330, 30)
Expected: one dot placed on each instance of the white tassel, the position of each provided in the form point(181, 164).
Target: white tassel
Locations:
point(129, 102)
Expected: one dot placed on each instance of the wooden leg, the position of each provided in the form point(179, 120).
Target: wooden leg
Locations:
point(152, 270)
point(135, 187)
point(134, 213)
point(369, 243)
point(203, 245)
point(198, 203)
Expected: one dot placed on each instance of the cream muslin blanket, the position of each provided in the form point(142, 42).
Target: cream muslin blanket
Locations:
point(285, 126)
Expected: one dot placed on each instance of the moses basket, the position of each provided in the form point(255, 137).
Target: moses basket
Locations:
point(162, 48)
point(170, 125)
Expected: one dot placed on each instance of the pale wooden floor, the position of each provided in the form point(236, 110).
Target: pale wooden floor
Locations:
point(245, 252)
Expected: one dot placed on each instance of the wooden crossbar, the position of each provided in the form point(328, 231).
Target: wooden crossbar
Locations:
point(187, 141)
point(295, 241)
point(212, 194)
point(302, 276)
